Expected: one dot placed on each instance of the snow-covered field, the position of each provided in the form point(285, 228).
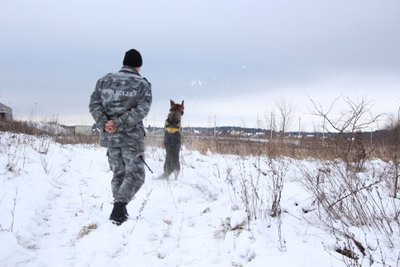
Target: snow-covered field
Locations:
point(55, 201)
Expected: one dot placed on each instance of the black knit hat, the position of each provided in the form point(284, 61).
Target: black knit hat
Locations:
point(133, 59)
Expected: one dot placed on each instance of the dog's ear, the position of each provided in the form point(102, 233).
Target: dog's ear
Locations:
point(182, 103)
point(172, 103)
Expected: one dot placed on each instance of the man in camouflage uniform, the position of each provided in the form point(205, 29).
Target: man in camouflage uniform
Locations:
point(118, 104)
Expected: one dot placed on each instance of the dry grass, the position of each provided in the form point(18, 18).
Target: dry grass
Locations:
point(383, 147)
point(86, 230)
point(77, 139)
point(63, 137)
point(294, 148)
point(23, 127)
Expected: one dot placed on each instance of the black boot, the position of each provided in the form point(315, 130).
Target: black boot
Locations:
point(126, 212)
point(119, 214)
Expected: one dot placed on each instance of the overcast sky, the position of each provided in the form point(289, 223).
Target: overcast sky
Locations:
point(229, 60)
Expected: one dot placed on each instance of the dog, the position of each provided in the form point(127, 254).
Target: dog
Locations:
point(172, 139)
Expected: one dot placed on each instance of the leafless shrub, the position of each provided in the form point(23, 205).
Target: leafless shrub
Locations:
point(244, 189)
point(225, 226)
point(13, 156)
point(285, 113)
point(277, 170)
point(257, 184)
point(345, 196)
point(346, 126)
point(141, 209)
point(14, 147)
point(12, 211)
point(86, 230)
point(345, 199)
point(41, 144)
point(270, 173)
point(45, 164)
point(360, 250)
point(347, 248)
point(395, 136)
point(281, 240)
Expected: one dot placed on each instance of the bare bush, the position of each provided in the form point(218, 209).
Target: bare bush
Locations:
point(285, 113)
point(346, 125)
point(277, 171)
point(257, 184)
point(395, 132)
point(42, 144)
point(346, 199)
point(12, 211)
point(86, 230)
point(14, 147)
point(247, 189)
point(141, 209)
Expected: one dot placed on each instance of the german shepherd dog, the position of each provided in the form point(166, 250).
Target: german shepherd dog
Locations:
point(172, 140)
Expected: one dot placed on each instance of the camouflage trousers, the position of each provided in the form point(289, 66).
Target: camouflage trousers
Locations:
point(128, 173)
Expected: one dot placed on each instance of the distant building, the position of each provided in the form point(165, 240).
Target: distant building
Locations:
point(5, 112)
point(83, 129)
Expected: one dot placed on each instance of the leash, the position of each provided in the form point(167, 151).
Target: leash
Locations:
point(146, 164)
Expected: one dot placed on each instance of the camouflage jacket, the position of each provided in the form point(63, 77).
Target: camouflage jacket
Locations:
point(124, 97)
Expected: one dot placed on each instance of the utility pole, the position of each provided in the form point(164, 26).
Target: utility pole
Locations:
point(299, 125)
point(270, 134)
point(396, 158)
point(323, 131)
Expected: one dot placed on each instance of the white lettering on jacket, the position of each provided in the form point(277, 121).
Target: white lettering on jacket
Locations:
point(124, 93)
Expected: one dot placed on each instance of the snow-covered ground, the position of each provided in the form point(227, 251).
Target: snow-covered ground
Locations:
point(55, 201)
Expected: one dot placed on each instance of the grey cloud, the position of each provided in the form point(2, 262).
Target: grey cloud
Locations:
point(232, 47)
